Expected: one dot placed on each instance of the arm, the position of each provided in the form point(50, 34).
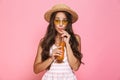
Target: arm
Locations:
point(73, 61)
point(38, 64)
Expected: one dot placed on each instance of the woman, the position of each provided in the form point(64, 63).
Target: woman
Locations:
point(60, 19)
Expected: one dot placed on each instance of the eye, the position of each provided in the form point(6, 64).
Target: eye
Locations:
point(65, 22)
point(57, 21)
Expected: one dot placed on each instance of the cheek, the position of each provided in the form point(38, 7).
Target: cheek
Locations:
point(56, 27)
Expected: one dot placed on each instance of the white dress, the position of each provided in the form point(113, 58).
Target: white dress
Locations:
point(59, 71)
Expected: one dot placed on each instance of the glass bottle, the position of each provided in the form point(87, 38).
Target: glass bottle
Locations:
point(60, 58)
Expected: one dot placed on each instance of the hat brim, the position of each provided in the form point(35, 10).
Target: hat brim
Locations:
point(49, 13)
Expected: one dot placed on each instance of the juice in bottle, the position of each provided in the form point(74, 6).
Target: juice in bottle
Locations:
point(61, 56)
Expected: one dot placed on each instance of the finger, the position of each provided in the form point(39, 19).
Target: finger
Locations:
point(59, 52)
point(65, 39)
point(55, 55)
point(63, 31)
point(64, 35)
point(59, 47)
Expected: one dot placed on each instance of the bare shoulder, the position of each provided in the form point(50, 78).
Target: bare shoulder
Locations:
point(78, 37)
point(40, 42)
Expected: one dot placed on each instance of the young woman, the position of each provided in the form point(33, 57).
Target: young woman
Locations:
point(60, 19)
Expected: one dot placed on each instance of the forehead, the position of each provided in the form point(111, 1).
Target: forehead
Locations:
point(60, 15)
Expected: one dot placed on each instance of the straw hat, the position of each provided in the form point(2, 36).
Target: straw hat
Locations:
point(61, 7)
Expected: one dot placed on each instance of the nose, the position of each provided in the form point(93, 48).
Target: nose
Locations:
point(61, 24)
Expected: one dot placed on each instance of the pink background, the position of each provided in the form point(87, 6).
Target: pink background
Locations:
point(22, 25)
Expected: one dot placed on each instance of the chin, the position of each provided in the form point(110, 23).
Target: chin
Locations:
point(59, 32)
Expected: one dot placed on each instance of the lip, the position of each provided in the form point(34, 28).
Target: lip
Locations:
point(60, 29)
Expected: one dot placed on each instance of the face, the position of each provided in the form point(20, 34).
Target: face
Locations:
point(60, 22)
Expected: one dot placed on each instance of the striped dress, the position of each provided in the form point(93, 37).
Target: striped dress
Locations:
point(59, 71)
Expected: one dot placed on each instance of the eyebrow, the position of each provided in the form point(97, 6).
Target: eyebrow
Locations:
point(59, 18)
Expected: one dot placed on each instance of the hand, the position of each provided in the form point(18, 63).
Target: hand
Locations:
point(56, 52)
point(66, 36)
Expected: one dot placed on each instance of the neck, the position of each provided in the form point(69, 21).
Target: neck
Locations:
point(58, 36)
